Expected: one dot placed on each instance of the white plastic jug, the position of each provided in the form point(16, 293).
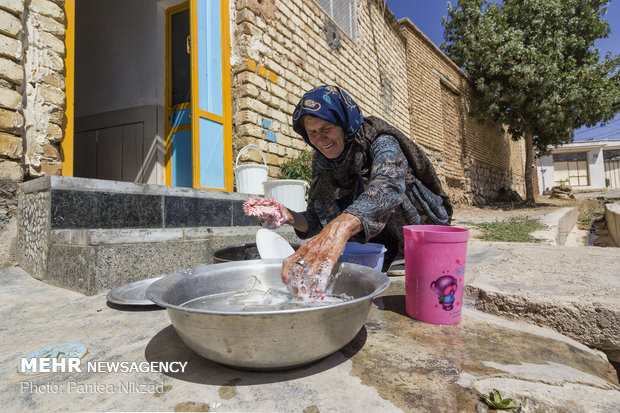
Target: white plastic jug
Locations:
point(250, 178)
point(289, 192)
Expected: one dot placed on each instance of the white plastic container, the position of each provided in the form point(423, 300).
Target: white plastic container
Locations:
point(289, 192)
point(250, 178)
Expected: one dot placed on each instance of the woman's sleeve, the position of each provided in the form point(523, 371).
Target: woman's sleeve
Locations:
point(320, 199)
point(386, 187)
point(314, 224)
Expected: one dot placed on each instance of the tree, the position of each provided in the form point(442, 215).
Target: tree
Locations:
point(534, 67)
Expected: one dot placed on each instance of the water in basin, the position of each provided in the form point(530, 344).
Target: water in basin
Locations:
point(256, 298)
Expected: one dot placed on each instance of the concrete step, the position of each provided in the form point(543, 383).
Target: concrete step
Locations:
point(573, 290)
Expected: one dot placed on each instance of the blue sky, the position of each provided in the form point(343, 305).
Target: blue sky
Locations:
point(427, 14)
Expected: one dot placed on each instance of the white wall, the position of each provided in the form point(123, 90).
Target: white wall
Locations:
point(117, 56)
point(545, 173)
point(596, 168)
point(594, 156)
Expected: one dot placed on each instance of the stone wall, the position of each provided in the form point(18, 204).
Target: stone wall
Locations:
point(281, 50)
point(11, 123)
point(32, 97)
point(475, 159)
point(44, 94)
point(32, 101)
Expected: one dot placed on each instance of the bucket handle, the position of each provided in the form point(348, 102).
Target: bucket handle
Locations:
point(250, 147)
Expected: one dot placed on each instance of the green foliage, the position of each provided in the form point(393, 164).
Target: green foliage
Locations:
point(534, 65)
point(497, 402)
point(298, 168)
point(515, 229)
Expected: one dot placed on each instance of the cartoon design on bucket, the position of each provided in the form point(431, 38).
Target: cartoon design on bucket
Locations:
point(445, 287)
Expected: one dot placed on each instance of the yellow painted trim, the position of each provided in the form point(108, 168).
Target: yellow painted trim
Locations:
point(210, 116)
point(179, 129)
point(273, 77)
point(193, 30)
point(168, 128)
point(68, 140)
point(197, 113)
point(180, 106)
point(226, 93)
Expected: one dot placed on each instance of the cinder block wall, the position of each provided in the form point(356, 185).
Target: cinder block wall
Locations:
point(282, 49)
point(475, 158)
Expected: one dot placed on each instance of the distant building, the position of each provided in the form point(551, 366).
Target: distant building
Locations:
point(581, 165)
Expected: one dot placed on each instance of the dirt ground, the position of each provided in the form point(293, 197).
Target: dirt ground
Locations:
point(504, 210)
point(466, 216)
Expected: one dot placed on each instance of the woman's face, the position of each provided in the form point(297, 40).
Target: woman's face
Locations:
point(327, 137)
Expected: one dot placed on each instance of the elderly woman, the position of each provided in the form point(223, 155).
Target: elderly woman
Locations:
point(368, 181)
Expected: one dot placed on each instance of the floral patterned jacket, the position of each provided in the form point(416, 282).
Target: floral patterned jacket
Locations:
point(384, 179)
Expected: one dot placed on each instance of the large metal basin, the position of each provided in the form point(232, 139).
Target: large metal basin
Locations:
point(265, 339)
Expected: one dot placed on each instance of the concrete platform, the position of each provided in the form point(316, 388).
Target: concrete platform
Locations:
point(573, 290)
point(92, 235)
point(394, 364)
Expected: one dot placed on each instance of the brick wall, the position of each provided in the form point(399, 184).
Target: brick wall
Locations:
point(279, 50)
point(11, 85)
point(32, 97)
point(44, 94)
point(391, 70)
point(278, 53)
point(11, 115)
point(474, 158)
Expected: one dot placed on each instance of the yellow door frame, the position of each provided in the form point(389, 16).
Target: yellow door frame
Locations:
point(168, 58)
point(66, 145)
point(197, 113)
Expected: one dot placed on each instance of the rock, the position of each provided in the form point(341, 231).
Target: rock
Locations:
point(561, 192)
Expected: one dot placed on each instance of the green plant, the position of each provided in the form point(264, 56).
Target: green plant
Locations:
point(515, 229)
point(498, 403)
point(298, 168)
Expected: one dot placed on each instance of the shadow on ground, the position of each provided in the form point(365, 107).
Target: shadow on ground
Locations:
point(166, 346)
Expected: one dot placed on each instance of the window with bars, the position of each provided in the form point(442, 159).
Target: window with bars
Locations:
point(564, 157)
point(611, 155)
point(343, 13)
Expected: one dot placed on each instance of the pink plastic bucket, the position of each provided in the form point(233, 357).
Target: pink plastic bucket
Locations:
point(435, 272)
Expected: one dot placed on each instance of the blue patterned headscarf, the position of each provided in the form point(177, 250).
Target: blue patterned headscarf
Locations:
point(331, 104)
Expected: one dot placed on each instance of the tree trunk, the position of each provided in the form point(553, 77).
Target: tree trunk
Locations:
point(529, 158)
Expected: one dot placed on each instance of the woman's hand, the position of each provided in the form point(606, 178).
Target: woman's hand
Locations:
point(269, 212)
point(310, 266)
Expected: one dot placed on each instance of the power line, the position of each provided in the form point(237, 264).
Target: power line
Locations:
point(604, 135)
point(595, 127)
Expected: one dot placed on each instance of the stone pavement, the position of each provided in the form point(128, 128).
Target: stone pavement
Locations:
point(394, 364)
